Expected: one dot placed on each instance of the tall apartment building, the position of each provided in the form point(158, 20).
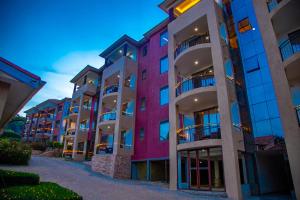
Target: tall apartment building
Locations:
point(81, 121)
point(207, 100)
point(44, 122)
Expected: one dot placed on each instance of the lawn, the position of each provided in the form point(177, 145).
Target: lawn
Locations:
point(42, 191)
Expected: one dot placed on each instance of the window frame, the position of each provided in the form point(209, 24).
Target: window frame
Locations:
point(143, 108)
point(140, 131)
point(160, 38)
point(160, 123)
point(160, 90)
point(246, 27)
point(160, 61)
point(144, 74)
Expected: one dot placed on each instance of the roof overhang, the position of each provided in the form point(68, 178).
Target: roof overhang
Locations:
point(22, 86)
point(83, 72)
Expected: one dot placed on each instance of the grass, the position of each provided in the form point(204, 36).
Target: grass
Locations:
point(42, 191)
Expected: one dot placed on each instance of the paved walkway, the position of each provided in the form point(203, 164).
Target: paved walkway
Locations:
point(93, 186)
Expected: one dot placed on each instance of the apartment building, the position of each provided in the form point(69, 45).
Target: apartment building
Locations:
point(12, 80)
point(208, 100)
point(44, 122)
point(81, 121)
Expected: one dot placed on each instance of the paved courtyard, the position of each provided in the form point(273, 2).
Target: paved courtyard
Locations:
point(94, 186)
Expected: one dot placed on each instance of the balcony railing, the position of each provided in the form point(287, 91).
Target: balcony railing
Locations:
point(71, 131)
point(297, 108)
point(290, 46)
point(111, 89)
point(272, 4)
point(108, 116)
point(198, 132)
point(193, 83)
point(193, 41)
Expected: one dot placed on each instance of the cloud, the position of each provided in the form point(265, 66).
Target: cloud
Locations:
point(59, 75)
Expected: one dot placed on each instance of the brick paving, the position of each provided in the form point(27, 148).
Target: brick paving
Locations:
point(94, 186)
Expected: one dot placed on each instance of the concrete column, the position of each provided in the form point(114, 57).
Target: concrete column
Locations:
point(75, 143)
point(4, 89)
point(65, 144)
point(229, 149)
point(282, 91)
point(84, 148)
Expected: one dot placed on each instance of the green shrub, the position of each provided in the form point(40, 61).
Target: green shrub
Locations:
point(57, 145)
point(12, 178)
point(10, 134)
point(45, 191)
point(38, 146)
point(14, 152)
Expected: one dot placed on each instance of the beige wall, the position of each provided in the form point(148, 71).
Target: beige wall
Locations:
point(4, 89)
point(281, 86)
point(225, 96)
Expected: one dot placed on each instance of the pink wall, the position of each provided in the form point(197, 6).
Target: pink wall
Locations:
point(151, 146)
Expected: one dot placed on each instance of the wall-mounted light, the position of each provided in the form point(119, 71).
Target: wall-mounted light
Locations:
point(196, 62)
point(196, 100)
point(196, 29)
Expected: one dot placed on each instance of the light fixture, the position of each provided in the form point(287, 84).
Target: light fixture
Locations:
point(108, 127)
point(120, 51)
point(207, 37)
point(210, 71)
point(196, 29)
point(118, 76)
point(115, 101)
point(196, 100)
point(196, 62)
point(253, 29)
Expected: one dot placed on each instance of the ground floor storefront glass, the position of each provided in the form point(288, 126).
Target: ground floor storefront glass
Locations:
point(201, 169)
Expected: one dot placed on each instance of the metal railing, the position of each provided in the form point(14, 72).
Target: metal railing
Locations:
point(198, 132)
point(193, 83)
point(108, 116)
point(193, 41)
point(272, 4)
point(290, 46)
point(297, 108)
point(111, 89)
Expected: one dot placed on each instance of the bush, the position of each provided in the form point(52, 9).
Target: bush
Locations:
point(38, 146)
point(57, 145)
point(45, 191)
point(10, 134)
point(13, 152)
point(11, 178)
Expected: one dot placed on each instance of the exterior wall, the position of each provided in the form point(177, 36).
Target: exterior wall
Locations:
point(151, 147)
point(261, 95)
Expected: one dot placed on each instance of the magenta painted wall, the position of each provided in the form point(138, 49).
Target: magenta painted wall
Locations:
point(151, 147)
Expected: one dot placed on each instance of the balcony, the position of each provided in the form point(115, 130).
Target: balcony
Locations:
point(193, 41)
point(198, 132)
point(272, 4)
point(280, 10)
point(71, 132)
point(109, 116)
point(290, 46)
point(88, 88)
point(193, 83)
point(110, 90)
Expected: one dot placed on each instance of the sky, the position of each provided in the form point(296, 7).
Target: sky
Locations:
point(55, 39)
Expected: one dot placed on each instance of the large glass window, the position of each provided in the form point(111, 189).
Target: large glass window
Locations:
point(142, 134)
point(229, 69)
point(164, 130)
point(126, 139)
point(235, 114)
point(164, 38)
point(164, 95)
point(164, 64)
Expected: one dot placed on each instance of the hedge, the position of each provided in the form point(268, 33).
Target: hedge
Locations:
point(13, 152)
point(12, 178)
point(44, 191)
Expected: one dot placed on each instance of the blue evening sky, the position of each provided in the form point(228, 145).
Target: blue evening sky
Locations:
point(55, 39)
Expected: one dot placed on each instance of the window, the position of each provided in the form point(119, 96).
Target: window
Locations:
point(126, 139)
point(244, 25)
point(228, 69)
point(164, 95)
point(164, 38)
point(144, 74)
point(145, 51)
point(164, 64)
point(143, 104)
point(164, 131)
point(142, 134)
point(235, 114)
